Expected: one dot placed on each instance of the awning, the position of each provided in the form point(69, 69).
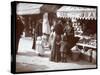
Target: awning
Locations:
point(28, 8)
point(50, 8)
point(76, 12)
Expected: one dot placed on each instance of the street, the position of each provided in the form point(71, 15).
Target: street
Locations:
point(27, 60)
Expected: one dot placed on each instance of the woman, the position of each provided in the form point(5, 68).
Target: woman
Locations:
point(55, 52)
point(51, 43)
point(57, 44)
point(69, 35)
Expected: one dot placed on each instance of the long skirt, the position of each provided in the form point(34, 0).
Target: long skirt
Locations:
point(56, 54)
point(64, 53)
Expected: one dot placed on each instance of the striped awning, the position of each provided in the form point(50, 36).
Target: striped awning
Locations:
point(28, 8)
point(76, 12)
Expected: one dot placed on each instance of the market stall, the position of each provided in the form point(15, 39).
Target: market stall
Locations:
point(84, 23)
point(26, 9)
point(29, 14)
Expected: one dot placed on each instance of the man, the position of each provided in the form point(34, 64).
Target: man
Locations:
point(39, 28)
point(19, 30)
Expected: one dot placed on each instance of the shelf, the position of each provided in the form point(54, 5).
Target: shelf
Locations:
point(81, 36)
point(85, 45)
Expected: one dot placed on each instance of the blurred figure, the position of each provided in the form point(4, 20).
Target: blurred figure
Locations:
point(69, 30)
point(41, 44)
point(39, 48)
point(64, 48)
point(51, 43)
point(57, 48)
point(55, 53)
point(19, 31)
point(33, 35)
point(45, 44)
point(52, 36)
point(38, 28)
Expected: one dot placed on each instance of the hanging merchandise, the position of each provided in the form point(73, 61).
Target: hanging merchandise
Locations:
point(45, 25)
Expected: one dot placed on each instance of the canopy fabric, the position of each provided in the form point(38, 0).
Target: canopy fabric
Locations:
point(76, 12)
point(28, 8)
point(50, 8)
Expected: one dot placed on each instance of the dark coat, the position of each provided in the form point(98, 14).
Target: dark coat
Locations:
point(55, 53)
point(39, 29)
point(19, 31)
point(58, 29)
point(19, 28)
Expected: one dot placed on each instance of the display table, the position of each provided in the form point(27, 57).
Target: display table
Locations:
point(88, 55)
point(88, 45)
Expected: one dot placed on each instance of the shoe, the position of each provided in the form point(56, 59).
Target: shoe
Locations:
point(39, 54)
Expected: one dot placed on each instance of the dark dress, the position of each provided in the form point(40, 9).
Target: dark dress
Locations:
point(55, 53)
point(64, 49)
point(70, 39)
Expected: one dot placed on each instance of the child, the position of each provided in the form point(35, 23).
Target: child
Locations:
point(39, 48)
